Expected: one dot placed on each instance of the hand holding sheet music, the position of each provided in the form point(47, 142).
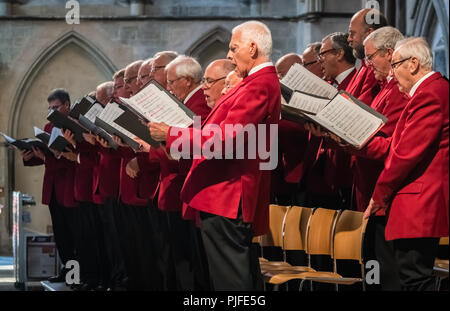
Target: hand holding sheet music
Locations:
point(154, 104)
point(352, 121)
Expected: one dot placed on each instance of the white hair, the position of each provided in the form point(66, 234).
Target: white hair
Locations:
point(186, 66)
point(257, 32)
point(416, 47)
point(385, 37)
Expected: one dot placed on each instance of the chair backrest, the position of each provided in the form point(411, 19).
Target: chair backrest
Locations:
point(349, 236)
point(320, 230)
point(296, 225)
point(276, 219)
point(256, 239)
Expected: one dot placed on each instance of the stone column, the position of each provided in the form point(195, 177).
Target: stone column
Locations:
point(137, 7)
point(5, 7)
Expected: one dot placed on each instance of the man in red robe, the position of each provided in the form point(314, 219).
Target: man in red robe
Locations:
point(232, 194)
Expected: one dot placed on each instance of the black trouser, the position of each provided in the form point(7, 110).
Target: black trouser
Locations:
point(415, 258)
point(63, 230)
point(87, 243)
point(233, 262)
point(180, 238)
point(160, 226)
point(377, 248)
point(149, 277)
point(113, 265)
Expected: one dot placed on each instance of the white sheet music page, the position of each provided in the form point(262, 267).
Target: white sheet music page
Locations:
point(301, 79)
point(348, 120)
point(55, 133)
point(157, 106)
point(110, 113)
point(38, 131)
point(95, 110)
point(8, 139)
point(307, 103)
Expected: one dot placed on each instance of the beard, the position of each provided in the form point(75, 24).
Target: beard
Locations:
point(358, 52)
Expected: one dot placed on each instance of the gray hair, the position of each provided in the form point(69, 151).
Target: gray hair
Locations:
point(339, 42)
point(416, 47)
point(385, 38)
point(186, 66)
point(257, 32)
point(108, 87)
point(315, 46)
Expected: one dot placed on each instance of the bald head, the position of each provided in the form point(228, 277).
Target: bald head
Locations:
point(160, 61)
point(214, 79)
point(232, 79)
point(285, 62)
point(143, 76)
point(104, 92)
point(130, 77)
point(361, 25)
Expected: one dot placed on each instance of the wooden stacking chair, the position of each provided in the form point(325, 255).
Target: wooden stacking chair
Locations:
point(441, 266)
point(346, 243)
point(274, 238)
point(318, 238)
point(294, 238)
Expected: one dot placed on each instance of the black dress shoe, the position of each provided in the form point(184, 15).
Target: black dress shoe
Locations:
point(85, 287)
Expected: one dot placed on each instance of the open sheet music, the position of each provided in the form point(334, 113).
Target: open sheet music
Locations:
point(135, 125)
point(301, 79)
point(94, 129)
point(61, 121)
point(57, 141)
point(155, 104)
point(351, 120)
point(26, 144)
point(41, 135)
point(106, 119)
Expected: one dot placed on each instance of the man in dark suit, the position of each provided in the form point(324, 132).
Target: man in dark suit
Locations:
point(232, 195)
point(413, 188)
point(58, 187)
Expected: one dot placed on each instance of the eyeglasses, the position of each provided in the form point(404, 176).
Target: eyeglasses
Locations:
point(321, 54)
point(128, 80)
point(395, 65)
point(55, 107)
point(310, 63)
point(170, 82)
point(156, 68)
point(209, 82)
point(370, 57)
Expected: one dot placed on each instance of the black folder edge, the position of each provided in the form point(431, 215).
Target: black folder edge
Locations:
point(44, 137)
point(132, 123)
point(161, 88)
point(98, 131)
point(61, 121)
point(60, 144)
point(293, 114)
point(113, 131)
point(81, 107)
